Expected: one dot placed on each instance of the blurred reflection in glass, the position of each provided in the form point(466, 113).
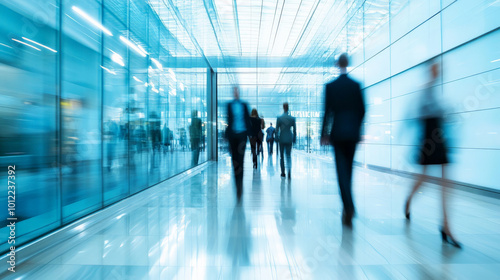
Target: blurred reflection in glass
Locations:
point(139, 145)
point(286, 220)
point(28, 119)
point(80, 111)
point(115, 118)
point(155, 131)
point(80, 106)
point(182, 138)
point(240, 242)
point(195, 135)
point(346, 255)
point(167, 137)
point(270, 166)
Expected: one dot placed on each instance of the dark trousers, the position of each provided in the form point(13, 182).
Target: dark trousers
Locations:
point(344, 157)
point(270, 145)
point(195, 151)
point(255, 145)
point(286, 151)
point(237, 145)
point(277, 147)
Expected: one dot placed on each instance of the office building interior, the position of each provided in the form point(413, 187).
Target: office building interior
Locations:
point(98, 103)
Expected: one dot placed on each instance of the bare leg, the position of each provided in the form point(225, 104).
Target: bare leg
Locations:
point(416, 186)
point(444, 192)
point(445, 230)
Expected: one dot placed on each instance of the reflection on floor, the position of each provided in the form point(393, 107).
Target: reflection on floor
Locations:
point(285, 230)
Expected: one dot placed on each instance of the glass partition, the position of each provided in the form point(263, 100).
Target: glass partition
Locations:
point(96, 106)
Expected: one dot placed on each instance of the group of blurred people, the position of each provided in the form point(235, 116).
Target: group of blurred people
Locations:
point(243, 125)
point(344, 112)
point(161, 138)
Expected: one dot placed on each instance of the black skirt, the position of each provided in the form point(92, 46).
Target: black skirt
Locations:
point(433, 149)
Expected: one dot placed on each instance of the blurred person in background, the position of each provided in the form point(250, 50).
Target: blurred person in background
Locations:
point(261, 137)
point(167, 137)
point(110, 138)
point(140, 137)
point(270, 138)
point(155, 132)
point(433, 150)
point(344, 105)
point(277, 141)
point(237, 131)
point(195, 136)
point(182, 138)
point(284, 126)
point(255, 135)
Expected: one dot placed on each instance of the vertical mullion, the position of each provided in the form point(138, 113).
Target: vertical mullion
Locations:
point(148, 126)
point(58, 111)
point(128, 101)
point(101, 91)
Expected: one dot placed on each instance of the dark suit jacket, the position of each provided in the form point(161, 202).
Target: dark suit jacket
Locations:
point(195, 128)
point(230, 119)
point(344, 105)
point(284, 126)
point(256, 126)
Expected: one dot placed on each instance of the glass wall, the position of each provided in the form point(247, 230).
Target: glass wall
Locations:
point(94, 107)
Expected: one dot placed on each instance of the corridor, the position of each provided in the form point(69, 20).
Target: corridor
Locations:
point(284, 229)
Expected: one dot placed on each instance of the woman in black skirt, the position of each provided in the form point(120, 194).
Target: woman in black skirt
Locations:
point(433, 150)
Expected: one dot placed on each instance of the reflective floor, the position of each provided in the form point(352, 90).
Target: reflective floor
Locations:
point(285, 229)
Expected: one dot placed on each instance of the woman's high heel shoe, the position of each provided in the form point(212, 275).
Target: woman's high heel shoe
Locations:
point(448, 239)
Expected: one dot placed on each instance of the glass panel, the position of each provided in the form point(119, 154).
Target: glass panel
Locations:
point(155, 70)
point(115, 111)
point(80, 109)
point(28, 57)
point(138, 94)
point(108, 109)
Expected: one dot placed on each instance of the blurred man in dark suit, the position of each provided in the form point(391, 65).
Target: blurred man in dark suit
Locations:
point(284, 126)
point(195, 136)
point(238, 121)
point(344, 105)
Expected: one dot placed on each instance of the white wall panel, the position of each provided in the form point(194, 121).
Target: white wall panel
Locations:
point(378, 93)
point(409, 15)
point(379, 155)
point(408, 132)
point(476, 166)
point(377, 41)
point(377, 68)
point(406, 106)
point(478, 56)
point(378, 113)
point(467, 19)
point(419, 45)
point(378, 133)
point(412, 80)
point(477, 129)
point(477, 92)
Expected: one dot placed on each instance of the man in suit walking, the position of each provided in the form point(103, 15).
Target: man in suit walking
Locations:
point(195, 136)
point(237, 131)
point(286, 137)
point(270, 138)
point(344, 105)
